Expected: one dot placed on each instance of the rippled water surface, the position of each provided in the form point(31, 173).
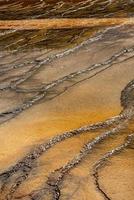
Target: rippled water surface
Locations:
point(18, 9)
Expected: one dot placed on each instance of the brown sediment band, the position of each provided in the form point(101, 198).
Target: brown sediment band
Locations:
point(32, 24)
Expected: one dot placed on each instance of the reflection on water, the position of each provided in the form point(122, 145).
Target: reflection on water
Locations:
point(44, 39)
point(20, 9)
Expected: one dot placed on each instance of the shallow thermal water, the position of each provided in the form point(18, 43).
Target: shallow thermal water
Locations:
point(20, 9)
point(46, 91)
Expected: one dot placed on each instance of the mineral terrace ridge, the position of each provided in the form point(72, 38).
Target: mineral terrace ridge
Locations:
point(67, 103)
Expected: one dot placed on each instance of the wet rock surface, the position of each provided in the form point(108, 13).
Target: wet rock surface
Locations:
point(44, 153)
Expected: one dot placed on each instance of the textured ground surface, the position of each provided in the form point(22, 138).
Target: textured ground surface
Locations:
point(49, 85)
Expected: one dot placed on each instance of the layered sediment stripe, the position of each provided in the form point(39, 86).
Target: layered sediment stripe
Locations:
point(63, 23)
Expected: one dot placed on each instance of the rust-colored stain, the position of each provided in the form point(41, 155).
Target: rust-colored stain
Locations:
point(66, 100)
point(63, 23)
